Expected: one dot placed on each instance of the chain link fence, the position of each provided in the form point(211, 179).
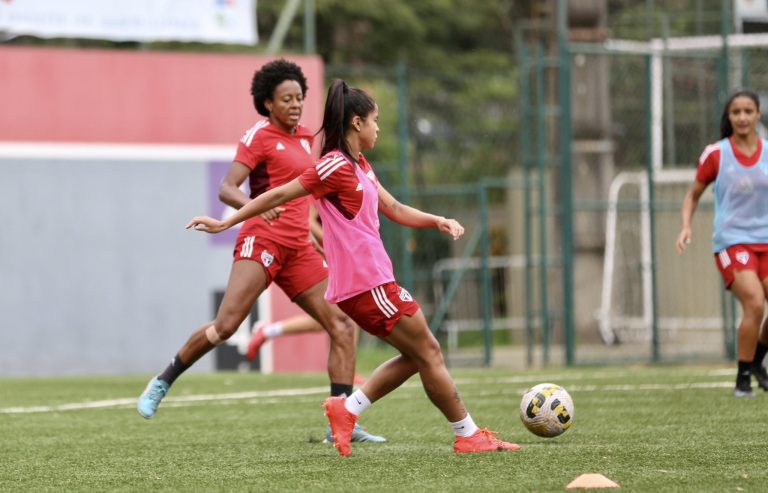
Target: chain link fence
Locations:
point(494, 162)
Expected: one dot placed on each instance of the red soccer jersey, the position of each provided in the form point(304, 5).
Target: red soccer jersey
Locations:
point(334, 178)
point(275, 158)
point(709, 161)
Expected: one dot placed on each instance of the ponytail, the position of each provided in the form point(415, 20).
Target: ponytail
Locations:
point(341, 105)
point(726, 129)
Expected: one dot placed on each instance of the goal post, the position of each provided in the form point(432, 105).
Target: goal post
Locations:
point(641, 224)
point(626, 308)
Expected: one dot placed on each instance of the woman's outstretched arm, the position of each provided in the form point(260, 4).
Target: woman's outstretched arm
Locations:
point(264, 202)
point(415, 218)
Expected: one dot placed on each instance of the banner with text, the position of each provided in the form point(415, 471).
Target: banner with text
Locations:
point(207, 21)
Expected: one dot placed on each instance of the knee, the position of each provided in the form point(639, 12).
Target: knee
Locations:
point(225, 328)
point(340, 327)
point(431, 354)
point(436, 352)
point(754, 308)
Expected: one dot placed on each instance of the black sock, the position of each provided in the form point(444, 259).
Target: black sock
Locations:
point(760, 353)
point(744, 370)
point(341, 389)
point(176, 368)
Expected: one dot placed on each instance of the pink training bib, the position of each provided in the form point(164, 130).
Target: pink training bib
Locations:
point(357, 260)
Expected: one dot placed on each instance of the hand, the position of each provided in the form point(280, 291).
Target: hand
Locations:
point(450, 226)
point(207, 224)
point(683, 240)
point(272, 214)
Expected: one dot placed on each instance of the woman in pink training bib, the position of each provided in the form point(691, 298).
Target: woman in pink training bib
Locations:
point(361, 279)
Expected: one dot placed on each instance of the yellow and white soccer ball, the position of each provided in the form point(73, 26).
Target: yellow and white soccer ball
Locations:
point(547, 410)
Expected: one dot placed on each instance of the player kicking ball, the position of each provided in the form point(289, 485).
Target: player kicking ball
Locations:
point(361, 280)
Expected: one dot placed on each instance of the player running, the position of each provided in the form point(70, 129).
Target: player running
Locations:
point(738, 167)
point(274, 247)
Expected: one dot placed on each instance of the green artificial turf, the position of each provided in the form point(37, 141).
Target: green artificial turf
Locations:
point(654, 429)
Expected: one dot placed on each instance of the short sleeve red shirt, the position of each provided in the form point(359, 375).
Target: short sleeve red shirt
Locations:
point(333, 177)
point(709, 161)
point(276, 157)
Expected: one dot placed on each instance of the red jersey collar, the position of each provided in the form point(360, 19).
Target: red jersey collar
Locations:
point(744, 159)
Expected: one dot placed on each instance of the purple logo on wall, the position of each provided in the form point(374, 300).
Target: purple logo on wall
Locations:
point(217, 170)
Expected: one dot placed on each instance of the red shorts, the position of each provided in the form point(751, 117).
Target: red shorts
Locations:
point(752, 257)
point(294, 270)
point(378, 310)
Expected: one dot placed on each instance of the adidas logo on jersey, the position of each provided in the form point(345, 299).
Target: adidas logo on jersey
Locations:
point(359, 187)
point(280, 146)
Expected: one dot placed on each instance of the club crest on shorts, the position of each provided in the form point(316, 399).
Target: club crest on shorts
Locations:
point(267, 258)
point(742, 257)
point(405, 295)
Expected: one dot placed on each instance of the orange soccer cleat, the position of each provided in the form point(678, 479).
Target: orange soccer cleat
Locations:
point(257, 340)
point(482, 441)
point(342, 424)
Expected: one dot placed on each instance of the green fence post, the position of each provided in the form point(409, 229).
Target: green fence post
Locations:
point(541, 168)
point(746, 81)
point(655, 354)
point(406, 261)
point(526, 157)
point(566, 195)
point(453, 283)
point(485, 275)
point(728, 309)
point(722, 73)
point(310, 44)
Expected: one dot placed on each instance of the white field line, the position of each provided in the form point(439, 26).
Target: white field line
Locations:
point(272, 396)
point(131, 401)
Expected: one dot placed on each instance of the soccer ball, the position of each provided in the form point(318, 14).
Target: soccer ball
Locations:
point(547, 410)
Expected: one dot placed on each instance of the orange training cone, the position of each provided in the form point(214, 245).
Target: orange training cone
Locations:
point(591, 481)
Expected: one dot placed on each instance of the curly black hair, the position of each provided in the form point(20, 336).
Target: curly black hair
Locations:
point(271, 75)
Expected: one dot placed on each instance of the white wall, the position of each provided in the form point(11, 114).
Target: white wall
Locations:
point(97, 273)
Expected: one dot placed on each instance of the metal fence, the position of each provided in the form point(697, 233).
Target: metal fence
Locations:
point(571, 219)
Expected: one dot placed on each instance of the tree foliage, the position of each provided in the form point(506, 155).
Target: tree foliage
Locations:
point(461, 82)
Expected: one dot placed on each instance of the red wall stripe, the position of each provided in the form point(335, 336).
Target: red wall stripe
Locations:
point(84, 95)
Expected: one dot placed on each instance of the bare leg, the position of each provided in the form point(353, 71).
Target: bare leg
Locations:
point(246, 282)
point(420, 351)
point(341, 358)
point(763, 338)
point(300, 324)
point(749, 291)
point(388, 376)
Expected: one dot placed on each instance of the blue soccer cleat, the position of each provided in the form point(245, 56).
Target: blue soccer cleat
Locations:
point(150, 399)
point(358, 435)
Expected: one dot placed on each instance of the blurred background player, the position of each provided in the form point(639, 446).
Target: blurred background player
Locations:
point(348, 197)
point(738, 167)
point(300, 324)
point(272, 247)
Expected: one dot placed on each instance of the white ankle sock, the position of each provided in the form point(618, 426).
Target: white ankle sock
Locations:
point(273, 330)
point(357, 402)
point(464, 428)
